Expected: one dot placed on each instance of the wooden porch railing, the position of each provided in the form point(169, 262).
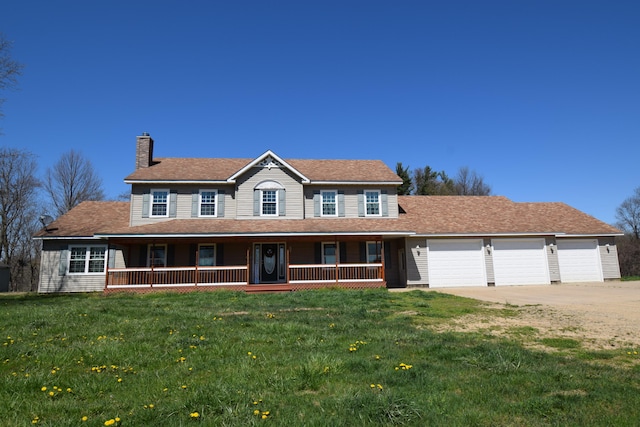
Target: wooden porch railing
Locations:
point(176, 276)
point(147, 277)
point(308, 273)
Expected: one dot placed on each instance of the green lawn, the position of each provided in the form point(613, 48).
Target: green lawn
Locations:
point(317, 358)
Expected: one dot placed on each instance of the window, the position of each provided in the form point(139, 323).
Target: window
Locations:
point(269, 202)
point(329, 203)
point(159, 203)
point(329, 253)
point(374, 252)
point(87, 259)
point(157, 256)
point(208, 200)
point(206, 255)
point(372, 199)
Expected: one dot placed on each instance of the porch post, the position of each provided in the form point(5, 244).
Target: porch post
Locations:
point(195, 279)
point(382, 259)
point(248, 265)
point(106, 276)
point(153, 261)
point(288, 260)
point(337, 257)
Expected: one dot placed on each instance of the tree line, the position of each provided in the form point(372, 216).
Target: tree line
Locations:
point(428, 182)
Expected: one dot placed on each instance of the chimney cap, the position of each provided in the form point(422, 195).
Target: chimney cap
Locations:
point(145, 133)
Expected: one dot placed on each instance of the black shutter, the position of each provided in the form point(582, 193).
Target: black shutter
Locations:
point(171, 255)
point(142, 261)
point(317, 252)
point(219, 254)
point(343, 252)
point(193, 248)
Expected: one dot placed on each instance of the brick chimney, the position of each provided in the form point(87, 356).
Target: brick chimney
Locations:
point(144, 151)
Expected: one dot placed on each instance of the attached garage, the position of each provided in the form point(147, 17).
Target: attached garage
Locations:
point(456, 262)
point(579, 260)
point(520, 262)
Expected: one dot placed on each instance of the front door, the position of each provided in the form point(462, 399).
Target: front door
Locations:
point(269, 263)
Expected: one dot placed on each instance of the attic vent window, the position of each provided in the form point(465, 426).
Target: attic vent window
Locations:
point(269, 162)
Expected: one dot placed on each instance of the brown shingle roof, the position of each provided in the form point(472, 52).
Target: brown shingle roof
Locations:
point(88, 219)
point(496, 215)
point(218, 169)
point(425, 215)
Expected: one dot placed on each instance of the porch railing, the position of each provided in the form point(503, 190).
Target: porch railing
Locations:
point(146, 277)
point(176, 276)
point(314, 273)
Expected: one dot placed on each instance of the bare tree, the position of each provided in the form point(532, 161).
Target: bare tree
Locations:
point(628, 214)
point(9, 69)
point(18, 208)
point(72, 180)
point(469, 183)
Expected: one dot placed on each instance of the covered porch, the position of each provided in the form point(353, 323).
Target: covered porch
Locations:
point(246, 264)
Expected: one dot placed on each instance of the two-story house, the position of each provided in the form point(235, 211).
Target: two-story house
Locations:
point(270, 223)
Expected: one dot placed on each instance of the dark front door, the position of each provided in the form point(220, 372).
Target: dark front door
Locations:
point(269, 263)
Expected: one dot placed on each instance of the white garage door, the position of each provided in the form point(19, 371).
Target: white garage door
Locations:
point(579, 260)
point(520, 262)
point(456, 263)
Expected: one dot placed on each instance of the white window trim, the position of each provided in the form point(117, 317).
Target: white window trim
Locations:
point(215, 202)
point(215, 253)
point(277, 202)
point(366, 213)
point(87, 259)
point(336, 254)
point(335, 202)
point(150, 248)
point(151, 202)
point(378, 245)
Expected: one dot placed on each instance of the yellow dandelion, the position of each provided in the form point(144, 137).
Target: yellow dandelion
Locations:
point(43, 389)
point(85, 418)
point(256, 412)
point(194, 415)
point(110, 422)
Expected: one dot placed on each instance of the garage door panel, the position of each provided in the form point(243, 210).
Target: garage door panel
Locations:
point(579, 260)
point(520, 262)
point(458, 262)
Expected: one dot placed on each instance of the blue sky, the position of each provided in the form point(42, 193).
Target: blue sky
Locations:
point(542, 98)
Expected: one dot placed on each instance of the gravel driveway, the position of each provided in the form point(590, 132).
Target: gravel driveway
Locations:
point(604, 315)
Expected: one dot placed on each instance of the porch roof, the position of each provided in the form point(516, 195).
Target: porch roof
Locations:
point(420, 215)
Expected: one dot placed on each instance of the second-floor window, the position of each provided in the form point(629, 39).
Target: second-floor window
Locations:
point(269, 202)
point(159, 203)
point(372, 199)
point(329, 207)
point(208, 200)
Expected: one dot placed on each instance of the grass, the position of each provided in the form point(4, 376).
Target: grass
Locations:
point(316, 358)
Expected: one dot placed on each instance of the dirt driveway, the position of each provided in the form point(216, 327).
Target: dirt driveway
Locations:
point(601, 315)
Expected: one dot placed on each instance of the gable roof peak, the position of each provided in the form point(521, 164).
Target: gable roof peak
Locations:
point(269, 160)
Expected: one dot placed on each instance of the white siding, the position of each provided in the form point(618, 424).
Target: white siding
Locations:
point(610, 263)
point(247, 183)
point(350, 199)
point(52, 281)
point(417, 262)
